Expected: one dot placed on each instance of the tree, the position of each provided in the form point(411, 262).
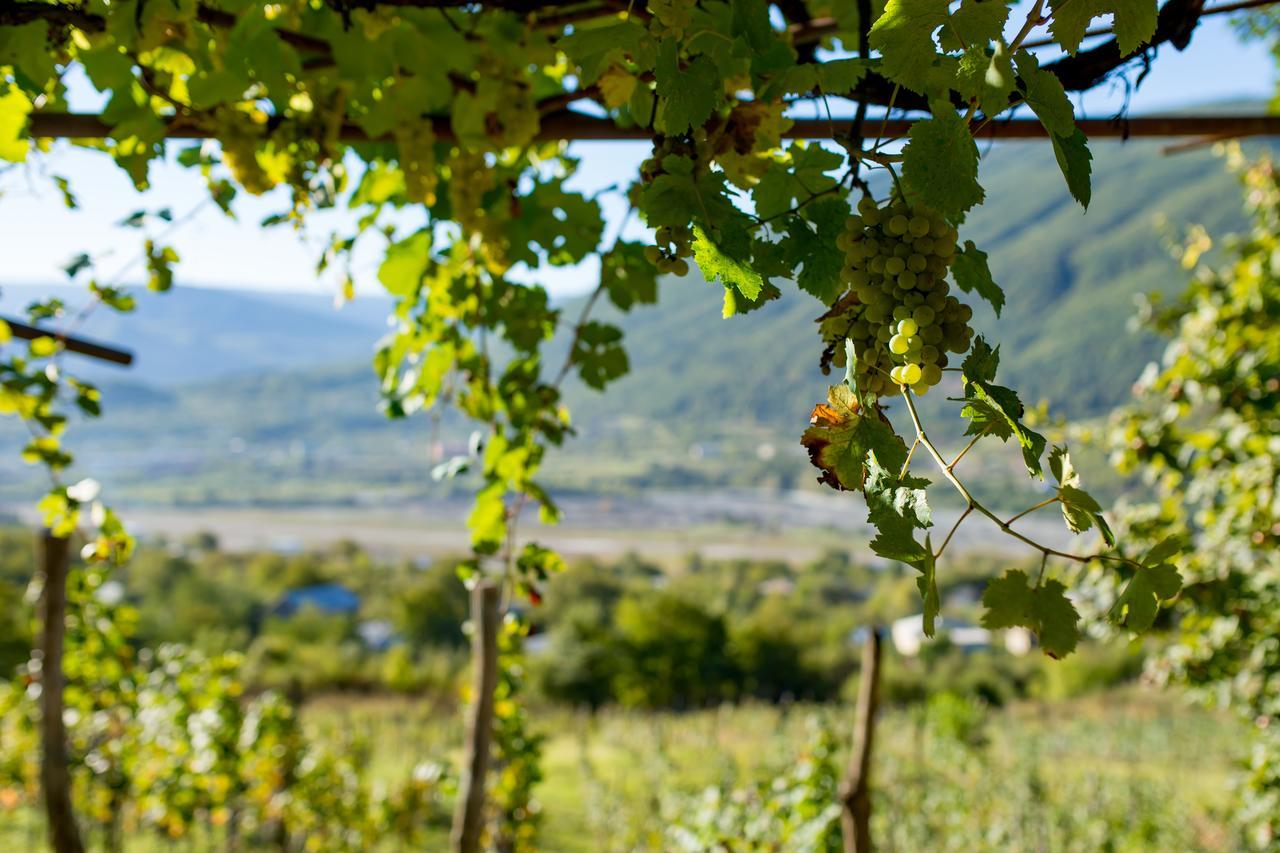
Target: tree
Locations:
point(1203, 433)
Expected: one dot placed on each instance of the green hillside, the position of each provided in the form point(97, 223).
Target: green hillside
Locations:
point(698, 409)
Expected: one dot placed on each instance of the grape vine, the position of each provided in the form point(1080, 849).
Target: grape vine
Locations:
point(434, 124)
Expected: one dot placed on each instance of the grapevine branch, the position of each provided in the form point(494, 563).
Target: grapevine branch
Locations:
point(972, 504)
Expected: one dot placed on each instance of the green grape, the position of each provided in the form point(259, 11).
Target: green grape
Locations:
point(680, 267)
point(897, 308)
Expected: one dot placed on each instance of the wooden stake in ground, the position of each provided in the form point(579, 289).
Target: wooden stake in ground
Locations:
point(855, 789)
point(55, 775)
point(468, 819)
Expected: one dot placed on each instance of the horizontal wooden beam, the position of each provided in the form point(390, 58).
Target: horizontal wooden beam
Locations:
point(80, 346)
point(575, 126)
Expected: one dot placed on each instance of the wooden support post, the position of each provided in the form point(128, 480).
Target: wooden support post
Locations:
point(468, 817)
point(55, 773)
point(855, 789)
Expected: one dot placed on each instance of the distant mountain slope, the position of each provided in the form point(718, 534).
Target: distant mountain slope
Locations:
point(294, 415)
point(193, 334)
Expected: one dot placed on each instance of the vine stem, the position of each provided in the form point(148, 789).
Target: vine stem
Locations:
point(1031, 509)
point(974, 504)
point(952, 532)
point(967, 448)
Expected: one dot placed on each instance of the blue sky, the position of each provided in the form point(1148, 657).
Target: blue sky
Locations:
point(41, 235)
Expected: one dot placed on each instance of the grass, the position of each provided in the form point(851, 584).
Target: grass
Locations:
point(1125, 770)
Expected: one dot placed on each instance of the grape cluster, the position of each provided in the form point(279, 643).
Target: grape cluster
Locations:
point(897, 311)
point(417, 147)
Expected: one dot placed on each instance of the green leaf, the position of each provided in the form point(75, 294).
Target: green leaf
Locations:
point(972, 274)
point(1075, 160)
point(940, 164)
point(927, 583)
point(1079, 509)
point(688, 95)
point(994, 409)
point(627, 276)
point(15, 106)
point(405, 263)
point(735, 303)
point(897, 506)
point(1011, 601)
point(1135, 21)
point(1043, 92)
point(596, 48)
point(488, 519)
point(903, 35)
point(678, 195)
point(732, 271)
point(786, 184)
point(841, 76)
point(598, 354)
point(1156, 581)
point(813, 250)
point(986, 76)
point(976, 23)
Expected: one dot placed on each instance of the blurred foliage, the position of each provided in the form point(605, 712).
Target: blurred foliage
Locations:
point(1205, 434)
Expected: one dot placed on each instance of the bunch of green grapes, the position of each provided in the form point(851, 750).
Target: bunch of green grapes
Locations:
point(897, 311)
point(240, 138)
point(673, 243)
point(417, 149)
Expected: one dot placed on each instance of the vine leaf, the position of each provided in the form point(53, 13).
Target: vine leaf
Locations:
point(986, 77)
point(1011, 601)
point(599, 355)
point(1043, 92)
point(972, 275)
point(842, 436)
point(733, 270)
point(1158, 580)
point(1076, 162)
point(15, 106)
point(627, 276)
point(840, 76)
point(1080, 510)
point(687, 95)
point(1135, 21)
point(996, 409)
point(927, 583)
point(940, 163)
point(897, 507)
point(904, 37)
point(814, 251)
point(596, 49)
point(787, 183)
point(405, 263)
